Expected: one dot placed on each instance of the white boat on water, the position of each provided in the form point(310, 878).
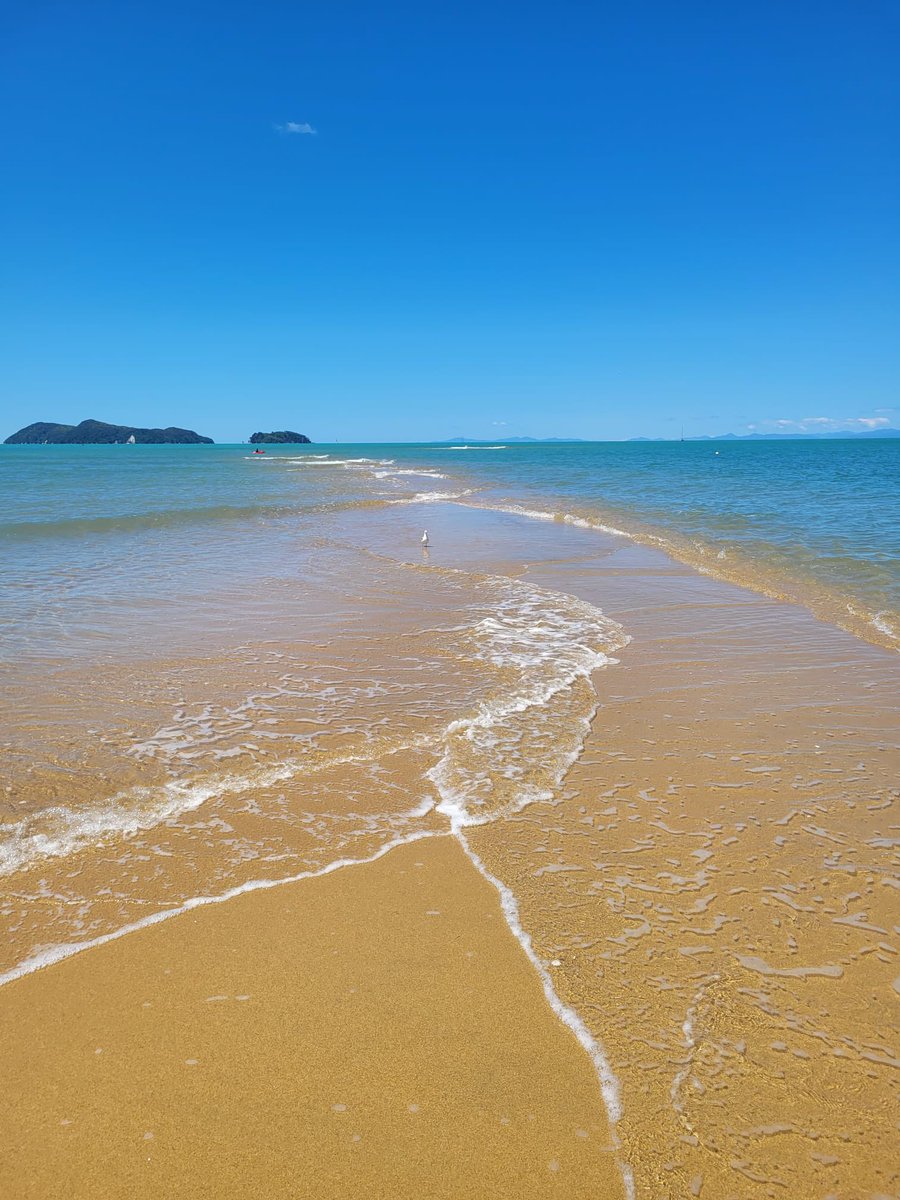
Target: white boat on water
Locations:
point(131, 441)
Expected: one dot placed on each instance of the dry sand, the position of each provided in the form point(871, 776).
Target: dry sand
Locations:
point(374, 1032)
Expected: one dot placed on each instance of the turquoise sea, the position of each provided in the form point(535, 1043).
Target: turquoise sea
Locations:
point(87, 530)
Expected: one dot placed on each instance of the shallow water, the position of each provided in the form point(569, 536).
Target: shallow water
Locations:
point(814, 521)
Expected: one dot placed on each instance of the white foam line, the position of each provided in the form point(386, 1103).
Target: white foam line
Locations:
point(422, 809)
point(882, 625)
point(689, 1032)
point(518, 510)
point(609, 1084)
point(397, 471)
point(56, 954)
point(430, 497)
point(535, 514)
point(78, 830)
point(690, 1045)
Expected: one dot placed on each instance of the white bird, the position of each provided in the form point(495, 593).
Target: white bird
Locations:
point(425, 538)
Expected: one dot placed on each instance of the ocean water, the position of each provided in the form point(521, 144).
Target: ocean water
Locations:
point(224, 672)
point(813, 521)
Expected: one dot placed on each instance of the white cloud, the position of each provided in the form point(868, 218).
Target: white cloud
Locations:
point(872, 422)
point(826, 424)
point(499, 422)
point(295, 127)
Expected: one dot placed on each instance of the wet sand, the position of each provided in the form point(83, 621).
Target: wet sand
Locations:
point(374, 1032)
point(712, 888)
point(718, 878)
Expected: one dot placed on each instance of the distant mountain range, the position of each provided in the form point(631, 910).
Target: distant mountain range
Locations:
point(99, 433)
point(778, 437)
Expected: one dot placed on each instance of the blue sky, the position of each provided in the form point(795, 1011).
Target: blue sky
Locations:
point(592, 220)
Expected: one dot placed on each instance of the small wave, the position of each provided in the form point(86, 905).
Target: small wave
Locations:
point(536, 514)
point(552, 641)
point(281, 458)
point(60, 831)
point(134, 522)
point(305, 462)
point(431, 497)
point(880, 622)
point(427, 474)
point(326, 460)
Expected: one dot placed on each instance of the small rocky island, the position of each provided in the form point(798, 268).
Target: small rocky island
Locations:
point(280, 437)
point(98, 433)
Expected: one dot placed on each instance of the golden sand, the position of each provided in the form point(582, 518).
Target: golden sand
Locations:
point(374, 1032)
point(712, 887)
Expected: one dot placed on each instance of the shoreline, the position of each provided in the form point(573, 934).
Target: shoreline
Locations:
point(693, 629)
point(737, 570)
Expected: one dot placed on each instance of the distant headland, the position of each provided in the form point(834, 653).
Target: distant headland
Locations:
point(280, 437)
point(98, 433)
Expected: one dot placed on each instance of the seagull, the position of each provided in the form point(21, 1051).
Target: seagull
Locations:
point(425, 537)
